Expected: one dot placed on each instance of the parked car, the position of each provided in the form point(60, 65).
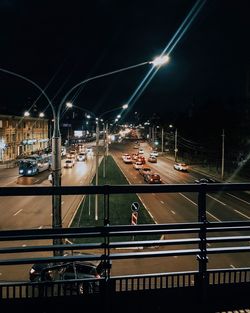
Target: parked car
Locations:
point(137, 165)
point(69, 163)
point(153, 178)
point(152, 159)
point(181, 167)
point(205, 181)
point(69, 271)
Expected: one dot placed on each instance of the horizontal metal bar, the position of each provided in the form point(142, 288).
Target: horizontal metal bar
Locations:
point(122, 189)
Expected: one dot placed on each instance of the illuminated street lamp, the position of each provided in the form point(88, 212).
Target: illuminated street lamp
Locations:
point(56, 139)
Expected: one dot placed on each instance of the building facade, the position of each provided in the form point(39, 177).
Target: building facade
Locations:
point(21, 136)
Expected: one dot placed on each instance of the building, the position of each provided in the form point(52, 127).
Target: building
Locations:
point(22, 136)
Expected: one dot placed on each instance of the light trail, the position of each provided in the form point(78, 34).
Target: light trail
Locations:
point(169, 48)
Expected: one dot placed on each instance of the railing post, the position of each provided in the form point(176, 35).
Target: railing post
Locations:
point(202, 256)
point(107, 263)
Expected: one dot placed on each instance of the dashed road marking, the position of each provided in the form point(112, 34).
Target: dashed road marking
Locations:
point(242, 214)
point(17, 212)
point(173, 212)
point(187, 198)
point(216, 200)
point(214, 217)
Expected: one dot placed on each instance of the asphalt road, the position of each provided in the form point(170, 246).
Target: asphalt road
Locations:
point(35, 212)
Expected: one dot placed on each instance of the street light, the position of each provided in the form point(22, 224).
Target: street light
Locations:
point(56, 139)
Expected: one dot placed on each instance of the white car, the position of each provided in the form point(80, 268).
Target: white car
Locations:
point(141, 151)
point(127, 159)
point(69, 163)
point(154, 153)
point(81, 157)
point(137, 165)
point(181, 167)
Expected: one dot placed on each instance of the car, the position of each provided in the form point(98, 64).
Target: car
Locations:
point(69, 270)
point(152, 159)
point(154, 153)
point(136, 146)
point(205, 181)
point(71, 155)
point(140, 151)
point(135, 156)
point(141, 159)
point(181, 167)
point(137, 165)
point(145, 170)
point(126, 158)
point(69, 163)
point(81, 157)
point(153, 178)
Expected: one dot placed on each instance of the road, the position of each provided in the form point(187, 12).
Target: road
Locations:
point(35, 212)
point(182, 207)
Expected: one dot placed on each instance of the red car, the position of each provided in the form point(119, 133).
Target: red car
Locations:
point(141, 159)
point(153, 178)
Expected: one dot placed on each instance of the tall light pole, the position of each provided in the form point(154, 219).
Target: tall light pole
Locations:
point(56, 139)
point(175, 146)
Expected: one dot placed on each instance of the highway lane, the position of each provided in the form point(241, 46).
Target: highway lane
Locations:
point(36, 211)
point(165, 208)
point(183, 207)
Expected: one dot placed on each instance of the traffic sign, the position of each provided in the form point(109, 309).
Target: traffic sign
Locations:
point(134, 216)
point(135, 206)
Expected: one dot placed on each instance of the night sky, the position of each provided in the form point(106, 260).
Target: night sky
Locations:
point(57, 44)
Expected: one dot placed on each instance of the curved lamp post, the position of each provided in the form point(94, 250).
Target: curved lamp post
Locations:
point(56, 137)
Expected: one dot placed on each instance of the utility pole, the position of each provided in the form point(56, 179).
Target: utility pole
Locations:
point(175, 146)
point(223, 154)
point(162, 140)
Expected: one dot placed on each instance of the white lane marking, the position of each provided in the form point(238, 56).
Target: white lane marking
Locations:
point(17, 212)
point(173, 212)
point(187, 198)
point(238, 198)
point(242, 214)
point(214, 217)
point(216, 200)
point(162, 202)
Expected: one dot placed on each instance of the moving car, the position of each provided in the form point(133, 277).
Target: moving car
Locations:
point(144, 170)
point(69, 271)
point(137, 165)
point(153, 178)
point(141, 159)
point(181, 167)
point(140, 151)
point(127, 158)
point(154, 153)
point(69, 163)
point(81, 157)
point(152, 159)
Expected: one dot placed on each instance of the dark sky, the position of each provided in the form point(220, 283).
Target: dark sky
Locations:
point(58, 43)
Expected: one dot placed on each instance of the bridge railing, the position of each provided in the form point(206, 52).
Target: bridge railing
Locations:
point(200, 240)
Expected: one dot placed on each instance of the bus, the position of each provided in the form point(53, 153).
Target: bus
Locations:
point(34, 164)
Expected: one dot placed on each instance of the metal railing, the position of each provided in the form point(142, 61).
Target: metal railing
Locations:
point(184, 239)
